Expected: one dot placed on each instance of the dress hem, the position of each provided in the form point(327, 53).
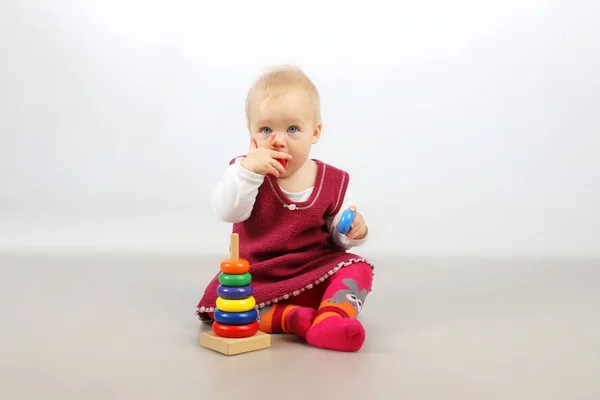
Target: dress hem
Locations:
point(203, 310)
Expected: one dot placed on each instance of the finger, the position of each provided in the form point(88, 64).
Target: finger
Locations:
point(357, 221)
point(277, 165)
point(275, 171)
point(351, 231)
point(279, 154)
point(359, 232)
point(352, 208)
point(253, 144)
point(362, 232)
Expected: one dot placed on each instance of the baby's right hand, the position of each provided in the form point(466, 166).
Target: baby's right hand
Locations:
point(263, 160)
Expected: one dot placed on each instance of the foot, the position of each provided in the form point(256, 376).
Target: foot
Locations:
point(336, 333)
point(288, 318)
point(299, 320)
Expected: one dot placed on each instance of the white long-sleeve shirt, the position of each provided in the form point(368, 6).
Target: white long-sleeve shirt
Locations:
point(236, 193)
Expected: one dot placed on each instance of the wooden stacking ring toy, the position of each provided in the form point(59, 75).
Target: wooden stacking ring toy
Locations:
point(235, 267)
point(235, 280)
point(236, 318)
point(346, 222)
point(242, 305)
point(235, 331)
point(235, 292)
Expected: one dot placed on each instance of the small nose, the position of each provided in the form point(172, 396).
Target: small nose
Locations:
point(279, 140)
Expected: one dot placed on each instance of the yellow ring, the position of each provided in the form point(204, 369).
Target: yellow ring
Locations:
point(241, 305)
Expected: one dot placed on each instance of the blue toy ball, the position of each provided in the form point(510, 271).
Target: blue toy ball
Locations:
point(345, 222)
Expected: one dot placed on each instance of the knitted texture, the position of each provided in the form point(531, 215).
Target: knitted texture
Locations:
point(288, 245)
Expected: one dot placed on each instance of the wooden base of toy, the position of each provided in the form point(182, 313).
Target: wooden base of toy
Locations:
point(232, 347)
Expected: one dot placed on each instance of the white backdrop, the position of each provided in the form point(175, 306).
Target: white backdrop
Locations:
point(475, 123)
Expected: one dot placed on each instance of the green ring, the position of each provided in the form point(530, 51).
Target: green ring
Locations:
point(235, 280)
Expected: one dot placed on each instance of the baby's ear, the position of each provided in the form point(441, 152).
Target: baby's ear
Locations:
point(317, 133)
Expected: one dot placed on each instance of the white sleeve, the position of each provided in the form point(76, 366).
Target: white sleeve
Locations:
point(236, 193)
point(339, 238)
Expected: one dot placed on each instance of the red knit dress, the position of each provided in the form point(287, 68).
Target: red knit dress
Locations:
point(288, 245)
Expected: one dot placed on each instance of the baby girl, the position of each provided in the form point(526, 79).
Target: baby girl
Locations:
point(285, 207)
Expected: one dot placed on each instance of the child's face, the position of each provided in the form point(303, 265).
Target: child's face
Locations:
point(292, 119)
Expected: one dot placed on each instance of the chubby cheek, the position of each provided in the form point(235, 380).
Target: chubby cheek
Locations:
point(298, 156)
point(291, 150)
point(260, 140)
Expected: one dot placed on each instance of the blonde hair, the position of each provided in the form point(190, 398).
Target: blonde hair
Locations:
point(278, 81)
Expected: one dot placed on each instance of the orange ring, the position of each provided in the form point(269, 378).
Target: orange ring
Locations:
point(237, 267)
point(235, 331)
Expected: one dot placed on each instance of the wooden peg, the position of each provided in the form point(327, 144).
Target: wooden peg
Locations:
point(235, 247)
point(232, 346)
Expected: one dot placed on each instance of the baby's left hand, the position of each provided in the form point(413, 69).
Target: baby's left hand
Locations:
point(358, 229)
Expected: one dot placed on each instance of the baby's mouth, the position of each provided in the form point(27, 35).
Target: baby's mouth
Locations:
point(282, 161)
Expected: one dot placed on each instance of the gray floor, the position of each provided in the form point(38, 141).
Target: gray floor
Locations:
point(123, 327)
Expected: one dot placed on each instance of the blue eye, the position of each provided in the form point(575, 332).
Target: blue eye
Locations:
point(265, 130)
point(293, 129)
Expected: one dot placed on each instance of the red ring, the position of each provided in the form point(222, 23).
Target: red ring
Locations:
point(235, 331)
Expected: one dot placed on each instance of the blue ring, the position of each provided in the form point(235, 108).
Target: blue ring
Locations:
point(345, 221)
point(236, 318)
point(234, 292)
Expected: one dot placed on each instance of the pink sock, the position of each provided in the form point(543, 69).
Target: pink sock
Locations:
point(299, 320)
point(288, 318)
point(335, 326)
